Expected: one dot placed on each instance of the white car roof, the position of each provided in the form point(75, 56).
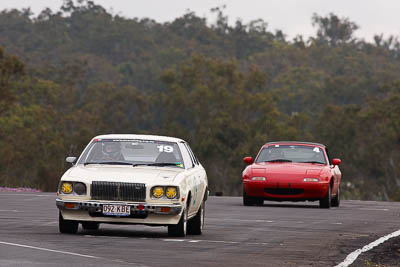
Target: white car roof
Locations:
point(139, 137)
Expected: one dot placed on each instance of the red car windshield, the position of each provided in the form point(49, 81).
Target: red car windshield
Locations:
point(292, 153)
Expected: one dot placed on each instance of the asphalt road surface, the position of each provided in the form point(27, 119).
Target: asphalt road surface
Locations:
point(276, 234)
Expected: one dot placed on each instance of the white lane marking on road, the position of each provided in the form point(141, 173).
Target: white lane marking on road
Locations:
point(211, 241)
point(49, 250)
point(49, 223)
point(69, 253)
point(257, 243)
point(239, 220)
point(337, 223)
point(353, 256)
point(374, 209)
point(225, 242)
point(262, 221)
point(9, 210)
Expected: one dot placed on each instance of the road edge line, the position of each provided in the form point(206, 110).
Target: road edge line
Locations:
point(354, 255)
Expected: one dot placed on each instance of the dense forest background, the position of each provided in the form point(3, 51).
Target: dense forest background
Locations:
point(68, 75)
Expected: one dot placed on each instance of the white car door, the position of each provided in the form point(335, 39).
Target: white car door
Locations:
point(191, 178)
point(199, 181)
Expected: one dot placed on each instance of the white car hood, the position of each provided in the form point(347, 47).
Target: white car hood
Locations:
point(122, 173)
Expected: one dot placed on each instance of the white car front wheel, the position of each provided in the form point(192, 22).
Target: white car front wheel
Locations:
point(196, 224)
point(92, 226)
point(179, 229)
point(67, 226)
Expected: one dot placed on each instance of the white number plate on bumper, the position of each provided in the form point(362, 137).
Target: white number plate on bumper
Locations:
point(117, 210)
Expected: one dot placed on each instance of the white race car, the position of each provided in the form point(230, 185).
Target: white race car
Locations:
point(134, 179)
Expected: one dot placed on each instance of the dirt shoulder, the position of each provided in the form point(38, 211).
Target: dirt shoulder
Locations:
point(384, 255)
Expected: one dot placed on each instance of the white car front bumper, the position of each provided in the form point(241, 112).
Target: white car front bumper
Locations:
point(141, 213)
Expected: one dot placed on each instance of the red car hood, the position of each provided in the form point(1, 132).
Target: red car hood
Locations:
point(287, 171)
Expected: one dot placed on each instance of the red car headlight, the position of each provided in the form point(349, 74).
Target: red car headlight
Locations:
point(258, 178)
point(310, 180)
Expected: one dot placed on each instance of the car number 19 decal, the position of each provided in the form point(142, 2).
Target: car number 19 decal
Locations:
point(168, 149)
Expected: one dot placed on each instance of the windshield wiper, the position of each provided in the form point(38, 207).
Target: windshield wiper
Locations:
point(108, 163)
point(162, 164)
point(133, 164)
point(278, 160)
point(140, 164)
point(312, 162)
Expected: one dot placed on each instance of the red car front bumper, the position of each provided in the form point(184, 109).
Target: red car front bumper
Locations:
point(286, 191)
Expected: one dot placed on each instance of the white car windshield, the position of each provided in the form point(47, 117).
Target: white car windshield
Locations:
point(292, 153)
point(132, 152)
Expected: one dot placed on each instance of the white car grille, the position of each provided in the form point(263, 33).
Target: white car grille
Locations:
point(118, 191)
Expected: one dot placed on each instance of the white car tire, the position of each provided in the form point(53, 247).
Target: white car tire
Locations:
point(196, 224)
point(179, 229)
point(92, 226)
point(67, 226)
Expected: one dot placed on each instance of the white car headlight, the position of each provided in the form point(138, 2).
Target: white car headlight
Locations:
point(157, 191)
point(170, 192)
point(76, 188)
point(66, 188)
point(80, 188)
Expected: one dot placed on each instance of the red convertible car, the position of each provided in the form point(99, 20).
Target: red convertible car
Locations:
point(292, 171)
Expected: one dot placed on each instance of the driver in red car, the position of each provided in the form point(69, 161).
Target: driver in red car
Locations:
point(275, 154)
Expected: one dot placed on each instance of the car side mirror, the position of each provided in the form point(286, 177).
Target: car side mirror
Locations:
point(71, 160)
point(248, 160)
point(336, 161)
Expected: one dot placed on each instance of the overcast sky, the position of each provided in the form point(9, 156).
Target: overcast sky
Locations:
point(291, 16)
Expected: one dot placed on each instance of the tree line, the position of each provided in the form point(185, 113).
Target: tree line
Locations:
point(71, 74)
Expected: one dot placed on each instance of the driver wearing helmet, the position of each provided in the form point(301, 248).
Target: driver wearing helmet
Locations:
point(275, 154)
point(112, 151)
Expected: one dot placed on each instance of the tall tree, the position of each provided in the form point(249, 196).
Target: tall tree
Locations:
point(11, 69)
point(334, 30)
